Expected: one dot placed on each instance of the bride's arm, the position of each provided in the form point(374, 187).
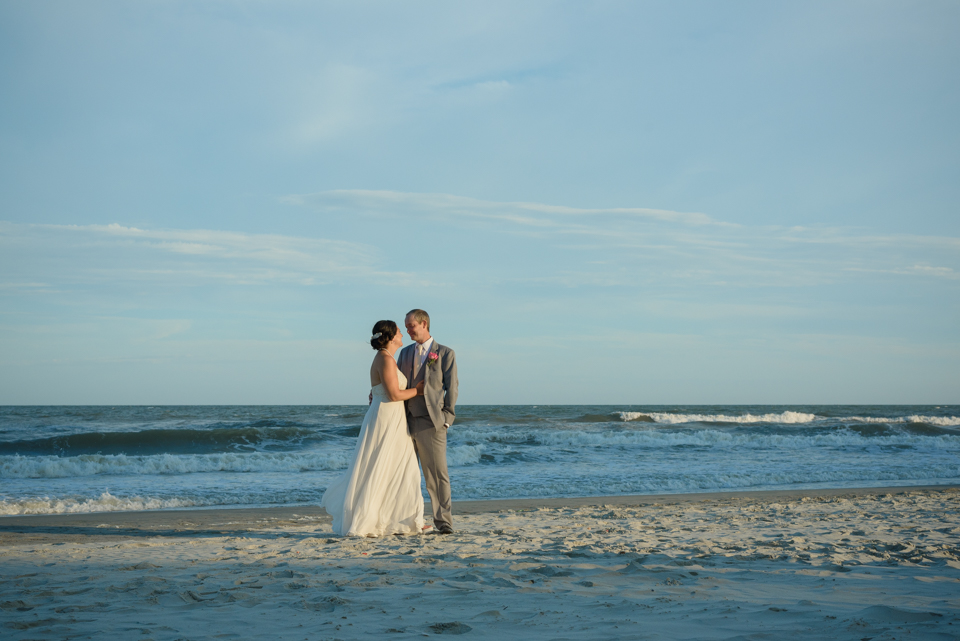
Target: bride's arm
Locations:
point(387, 368)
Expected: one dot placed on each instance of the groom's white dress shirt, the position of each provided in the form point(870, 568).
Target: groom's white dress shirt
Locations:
point(420, 354)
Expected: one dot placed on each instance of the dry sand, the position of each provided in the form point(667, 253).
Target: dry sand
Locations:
point(847, 564)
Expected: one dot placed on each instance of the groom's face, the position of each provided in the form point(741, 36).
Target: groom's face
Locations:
point(417, 332)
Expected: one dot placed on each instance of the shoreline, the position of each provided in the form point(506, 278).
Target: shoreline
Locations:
point(179, 520)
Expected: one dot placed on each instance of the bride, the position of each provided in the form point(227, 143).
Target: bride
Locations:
point(379, 493)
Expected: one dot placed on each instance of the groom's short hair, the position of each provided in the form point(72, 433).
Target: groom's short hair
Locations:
point(420, 316)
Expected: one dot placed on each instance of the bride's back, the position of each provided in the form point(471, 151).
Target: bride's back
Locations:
point(388, 366)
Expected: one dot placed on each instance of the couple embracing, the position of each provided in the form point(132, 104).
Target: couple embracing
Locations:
point(412, 404)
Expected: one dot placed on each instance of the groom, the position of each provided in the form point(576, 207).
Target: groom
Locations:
point(429, 416)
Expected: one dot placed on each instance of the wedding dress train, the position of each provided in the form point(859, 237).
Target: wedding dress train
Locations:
point(379, 494)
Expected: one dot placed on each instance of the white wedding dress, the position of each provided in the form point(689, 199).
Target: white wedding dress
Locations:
point(379, 494)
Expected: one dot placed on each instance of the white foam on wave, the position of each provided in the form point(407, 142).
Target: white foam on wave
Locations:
point(674, 419)
point(940, 421)
point(23, 467)
point(464, 455)
point(106, 502)
point(789, 418)
point(26, 467)
point(943, 421)
point(709, 438)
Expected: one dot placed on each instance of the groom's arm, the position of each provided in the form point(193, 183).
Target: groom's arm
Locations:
point(450, 383)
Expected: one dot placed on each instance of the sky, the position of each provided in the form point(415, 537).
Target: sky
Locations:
point(597, 202)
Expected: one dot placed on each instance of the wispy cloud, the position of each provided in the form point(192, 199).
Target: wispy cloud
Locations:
point(118, 253)
point(623, 245)
point(916, 270)
point(446, 205)
point(554, 246)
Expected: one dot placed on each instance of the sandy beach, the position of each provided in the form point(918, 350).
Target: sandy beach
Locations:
point(840, 564)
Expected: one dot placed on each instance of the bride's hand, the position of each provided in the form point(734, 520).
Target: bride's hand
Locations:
point(420, 388)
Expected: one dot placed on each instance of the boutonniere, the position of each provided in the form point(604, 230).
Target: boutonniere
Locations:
point(432, 358)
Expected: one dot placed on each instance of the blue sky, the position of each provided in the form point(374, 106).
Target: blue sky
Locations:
point(608, 202)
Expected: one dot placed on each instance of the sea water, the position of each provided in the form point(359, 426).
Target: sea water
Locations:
point(88, 458)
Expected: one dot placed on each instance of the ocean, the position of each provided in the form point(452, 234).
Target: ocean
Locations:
point(92, 458)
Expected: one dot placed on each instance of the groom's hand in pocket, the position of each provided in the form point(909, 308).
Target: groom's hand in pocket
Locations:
point(370, 398)
point(420, 388)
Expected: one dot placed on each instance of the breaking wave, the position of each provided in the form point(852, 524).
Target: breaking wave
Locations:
point(261, 435)
point(106, 502)
point(464, 455)
point(787, 418)
point(674, 419)
point(24, 467)
point(939, 421)
point(656, 439)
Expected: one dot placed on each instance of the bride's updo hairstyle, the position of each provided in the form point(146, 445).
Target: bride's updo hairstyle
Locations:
point(383, 333)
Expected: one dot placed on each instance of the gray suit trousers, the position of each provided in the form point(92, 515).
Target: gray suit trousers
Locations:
point(430, 443)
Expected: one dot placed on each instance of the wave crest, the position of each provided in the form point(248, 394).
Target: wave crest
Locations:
point(650, 438)
point(674, 419)
point(941, 421)
point(24, 467)
point(259, 435)
point(106, 502)
point(464, 455)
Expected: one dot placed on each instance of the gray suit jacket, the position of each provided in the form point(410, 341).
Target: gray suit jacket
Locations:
point(439, 398)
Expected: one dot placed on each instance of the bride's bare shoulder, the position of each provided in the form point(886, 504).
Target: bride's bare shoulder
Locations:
point(382, 359)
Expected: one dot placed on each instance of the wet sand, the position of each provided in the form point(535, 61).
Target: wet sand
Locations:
point(878, 563)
